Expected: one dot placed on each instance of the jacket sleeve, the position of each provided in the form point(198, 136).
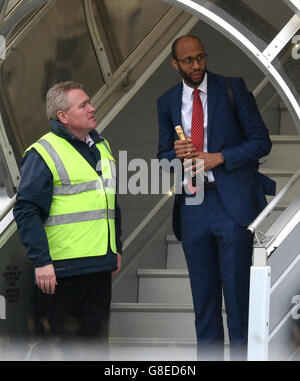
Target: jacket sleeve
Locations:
point(32, 207)
point(256, 142)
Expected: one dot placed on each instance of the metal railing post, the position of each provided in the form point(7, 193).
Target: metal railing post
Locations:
point(259, 310)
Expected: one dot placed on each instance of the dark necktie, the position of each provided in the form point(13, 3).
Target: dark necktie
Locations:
point(197, 131)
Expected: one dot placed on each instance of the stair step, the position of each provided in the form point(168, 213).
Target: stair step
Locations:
point(152, 320)
point(282, 176)
point(269, 221)
point(167, 286)
point(153, 349)
point(175, 254)
point(151, 342)
point(151, 307)
point(164, 286)
point(285, 152)
point(285, 139)
point(163, 273)
point(156, 349)
point(277, 172)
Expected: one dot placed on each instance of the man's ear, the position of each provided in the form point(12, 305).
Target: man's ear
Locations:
point(174, 64)
point(61, 117)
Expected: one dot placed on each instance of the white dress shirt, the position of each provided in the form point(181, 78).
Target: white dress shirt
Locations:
point(187, 111)
point(89, 141)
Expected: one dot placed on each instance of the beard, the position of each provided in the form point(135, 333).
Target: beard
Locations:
point(188, 79)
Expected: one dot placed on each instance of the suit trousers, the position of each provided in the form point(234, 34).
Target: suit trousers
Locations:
point(75, 317)
point(218, 253)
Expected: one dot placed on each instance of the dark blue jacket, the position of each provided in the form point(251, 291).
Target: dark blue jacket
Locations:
point(33, 205)
point(239, 133)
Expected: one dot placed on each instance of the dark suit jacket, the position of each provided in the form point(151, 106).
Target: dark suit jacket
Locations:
point(238, 132)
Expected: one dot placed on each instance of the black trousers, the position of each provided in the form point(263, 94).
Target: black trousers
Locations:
point(77, 313)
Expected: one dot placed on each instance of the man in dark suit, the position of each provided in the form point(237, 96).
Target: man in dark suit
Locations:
point(215, 239)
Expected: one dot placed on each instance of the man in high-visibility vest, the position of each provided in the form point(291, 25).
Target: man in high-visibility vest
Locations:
point(69, 221)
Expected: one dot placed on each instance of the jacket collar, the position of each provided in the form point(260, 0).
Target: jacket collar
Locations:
point(212, 96)
point(177, 99)
point(60, 130)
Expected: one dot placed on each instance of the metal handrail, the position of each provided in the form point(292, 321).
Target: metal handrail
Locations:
point(19, 15)
point(8, 207)
point(268, 209)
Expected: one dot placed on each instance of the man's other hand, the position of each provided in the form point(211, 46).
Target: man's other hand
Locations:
point(46, 278)
point(119, 264)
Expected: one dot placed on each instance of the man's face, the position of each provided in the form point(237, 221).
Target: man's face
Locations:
point(193, 74)
point(80, 115)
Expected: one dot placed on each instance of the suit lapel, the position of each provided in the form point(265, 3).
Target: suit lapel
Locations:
point(176, 105)
point(212, 97)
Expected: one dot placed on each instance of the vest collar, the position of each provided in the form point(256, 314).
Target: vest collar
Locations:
point(60, 130)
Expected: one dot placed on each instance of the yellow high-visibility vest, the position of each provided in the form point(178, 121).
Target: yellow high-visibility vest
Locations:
point(82, 213)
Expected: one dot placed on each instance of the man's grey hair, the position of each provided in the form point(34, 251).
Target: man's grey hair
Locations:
point(57, 98)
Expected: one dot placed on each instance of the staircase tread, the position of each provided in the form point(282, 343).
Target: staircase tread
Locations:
point(155, 341)
point(277, 171)
point(153, 307)
point(151, 341)
point(164, 273)
point(150, 306)
point(285, 138)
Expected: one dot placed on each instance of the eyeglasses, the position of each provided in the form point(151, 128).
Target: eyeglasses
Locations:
point(189, 61)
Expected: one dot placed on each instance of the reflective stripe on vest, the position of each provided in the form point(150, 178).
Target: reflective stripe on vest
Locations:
point(80, 217)
point(61, 170)
point(67, 187)
point(76, 226)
